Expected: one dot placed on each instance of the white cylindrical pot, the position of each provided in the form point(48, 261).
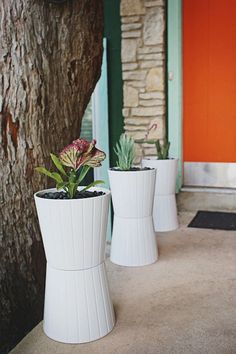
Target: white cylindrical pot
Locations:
point(164, 209)
point(133, 236)
point(77, 307)
point(74, 230)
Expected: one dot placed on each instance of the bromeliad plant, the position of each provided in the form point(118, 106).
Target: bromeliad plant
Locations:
point(162, 149)
point(73, 164)
point(124, 150)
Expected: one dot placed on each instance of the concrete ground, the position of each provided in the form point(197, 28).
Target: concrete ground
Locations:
point(184, 303)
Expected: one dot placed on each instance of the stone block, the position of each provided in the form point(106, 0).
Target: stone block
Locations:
point(151, 103)
point(151, 56)
point(157, 133)
point(151, 95)
point(129, 66)
point(132, 7)
point(135, 134)
point(153, 30)
point(138, 152)
point(147, 111)
point(131, 34)
point(130, 96)
point(125, 112)
point(137, 84)
point(134, 75)
point(130, 19)
point(128, 51)
point(151, 151)
point(137, 121)
point(151, 64)
point(130, 27)
point(155, 80)
point(154, 3)
point(159, 48)
point(134, 128)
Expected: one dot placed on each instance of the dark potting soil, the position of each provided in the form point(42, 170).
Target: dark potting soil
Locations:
point(63, 195)
point(131, 169)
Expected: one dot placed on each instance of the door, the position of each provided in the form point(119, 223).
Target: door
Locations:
point(209, 93)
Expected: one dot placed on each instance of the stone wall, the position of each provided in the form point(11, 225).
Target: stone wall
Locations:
point(143, 69)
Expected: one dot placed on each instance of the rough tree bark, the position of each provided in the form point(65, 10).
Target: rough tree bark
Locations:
point(50, 60)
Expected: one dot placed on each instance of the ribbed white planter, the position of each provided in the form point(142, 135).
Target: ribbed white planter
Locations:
point(164, 209)
point(77, 307)
point(133, 237)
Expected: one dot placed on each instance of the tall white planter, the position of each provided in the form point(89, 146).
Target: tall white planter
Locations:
point(133, 237)
point(78, 306)
point(164, 209)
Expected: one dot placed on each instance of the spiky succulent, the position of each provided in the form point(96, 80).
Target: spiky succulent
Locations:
point(162, 149)
point(124, 150)
point(77, 158)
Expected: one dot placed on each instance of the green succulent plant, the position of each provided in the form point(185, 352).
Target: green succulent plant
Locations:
point(124, 150)
point(73, 164)
point(162, 149)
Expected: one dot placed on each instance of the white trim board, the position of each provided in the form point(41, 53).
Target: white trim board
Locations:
point(210, 174)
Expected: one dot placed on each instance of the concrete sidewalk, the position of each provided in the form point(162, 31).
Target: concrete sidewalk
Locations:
point(184, 303)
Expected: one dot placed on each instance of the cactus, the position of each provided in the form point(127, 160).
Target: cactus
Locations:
point(162, 150)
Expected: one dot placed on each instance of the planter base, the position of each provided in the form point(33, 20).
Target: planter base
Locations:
point(133, 241)
point(78, 307)
point(165, 213)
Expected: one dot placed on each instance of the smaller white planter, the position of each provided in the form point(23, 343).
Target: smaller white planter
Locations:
point(133, 237)
point(164, 209)
point(78, 306)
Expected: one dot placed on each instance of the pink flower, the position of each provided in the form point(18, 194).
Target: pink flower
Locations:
point(80, 153)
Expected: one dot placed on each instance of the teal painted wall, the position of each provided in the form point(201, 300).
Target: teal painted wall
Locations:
point(174, 67)
point(112, 32)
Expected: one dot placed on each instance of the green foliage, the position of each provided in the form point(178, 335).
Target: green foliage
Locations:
point(124, 150)
point(162, 149)
point(78, 158)
point(70, 181)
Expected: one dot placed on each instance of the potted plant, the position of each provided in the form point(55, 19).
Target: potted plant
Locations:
point(133, 237)
point(164, 209)
point(73, 221)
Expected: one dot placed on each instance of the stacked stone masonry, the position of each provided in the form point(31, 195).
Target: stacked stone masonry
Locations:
point(143, 70)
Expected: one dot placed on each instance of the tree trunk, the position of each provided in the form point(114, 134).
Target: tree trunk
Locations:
point(50, 60)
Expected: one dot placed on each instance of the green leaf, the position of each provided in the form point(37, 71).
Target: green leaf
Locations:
point(61, 185)
point(83, 173)
point(91, 185)
point(72, 188)
point(58, 164)
point(73, 177)
point(53, 175)
point(43, 170)
point(57, 177)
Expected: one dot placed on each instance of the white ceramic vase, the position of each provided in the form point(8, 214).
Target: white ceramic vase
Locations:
point(164, 209)
point(78, 306)
point(133, 237)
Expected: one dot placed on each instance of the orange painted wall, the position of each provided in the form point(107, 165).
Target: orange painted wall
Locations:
point(209, 81)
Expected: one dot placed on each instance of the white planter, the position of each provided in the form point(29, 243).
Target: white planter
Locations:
point(164, 209)
point(133, 237)
point(78, 307)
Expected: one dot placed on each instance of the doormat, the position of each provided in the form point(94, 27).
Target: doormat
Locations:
point(214, 220)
